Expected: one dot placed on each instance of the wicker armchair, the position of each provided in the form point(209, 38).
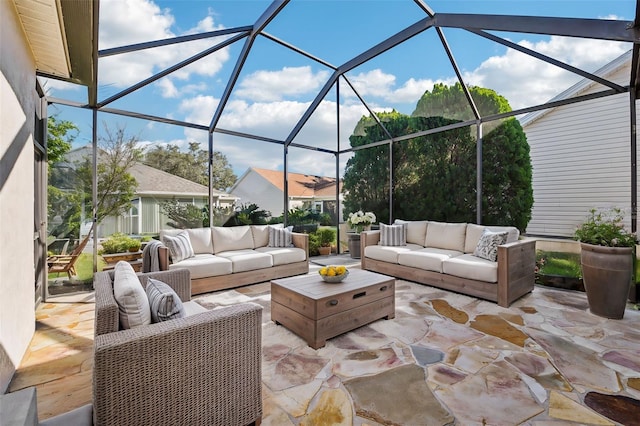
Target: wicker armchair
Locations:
point(204, 369)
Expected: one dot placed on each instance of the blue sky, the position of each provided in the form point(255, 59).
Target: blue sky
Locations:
point(276, 85)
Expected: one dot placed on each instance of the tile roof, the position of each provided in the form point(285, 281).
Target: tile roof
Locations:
point(301, 185)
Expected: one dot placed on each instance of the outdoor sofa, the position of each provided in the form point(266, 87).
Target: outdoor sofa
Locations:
point(202, 367)
point(226, 257)
point(453, 256)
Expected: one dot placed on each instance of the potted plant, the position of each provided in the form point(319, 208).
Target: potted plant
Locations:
point(134, 245)
point(607, 252)
point(358, 221)
point(327, 236)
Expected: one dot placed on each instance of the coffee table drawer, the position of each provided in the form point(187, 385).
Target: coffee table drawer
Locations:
point(335, 304)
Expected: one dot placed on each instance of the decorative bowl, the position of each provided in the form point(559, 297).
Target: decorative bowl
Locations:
point(334, 278)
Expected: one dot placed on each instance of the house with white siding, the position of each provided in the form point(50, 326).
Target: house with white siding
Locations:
point(265, 188)
point(580, 154)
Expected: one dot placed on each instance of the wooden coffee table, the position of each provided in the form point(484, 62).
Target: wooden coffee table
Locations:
point(316, 310)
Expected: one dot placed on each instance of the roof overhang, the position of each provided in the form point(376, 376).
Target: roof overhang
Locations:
point(60, 35)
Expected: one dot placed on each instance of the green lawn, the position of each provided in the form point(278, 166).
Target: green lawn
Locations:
point(84, 268)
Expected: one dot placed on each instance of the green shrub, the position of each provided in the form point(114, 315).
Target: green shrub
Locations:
point(119, 243)
point(314, 244)
point(327, 236)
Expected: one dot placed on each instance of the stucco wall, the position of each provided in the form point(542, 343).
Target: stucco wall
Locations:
point(17, 105)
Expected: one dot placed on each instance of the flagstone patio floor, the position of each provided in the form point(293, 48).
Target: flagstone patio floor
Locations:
point(446, 359)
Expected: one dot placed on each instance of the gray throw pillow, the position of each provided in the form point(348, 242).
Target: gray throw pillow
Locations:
point(487, 247)
point(164, 302)
point(179, 246)
point(393, 235)
point(279, 237)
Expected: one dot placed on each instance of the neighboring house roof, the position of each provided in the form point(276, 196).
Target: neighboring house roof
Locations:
point(621, 61)
point(152, 181)
point(300, 185)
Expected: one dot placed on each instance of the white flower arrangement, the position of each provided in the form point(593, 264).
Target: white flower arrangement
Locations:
point(359, 220)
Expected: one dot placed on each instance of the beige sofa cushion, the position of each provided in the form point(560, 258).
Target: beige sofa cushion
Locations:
point(232, 238)
point(200, 238)
point(448, 236)
point(260, 235)
point(474, 232)
point(247, 260)
point(471, 267)
point(429, 259)
point(205, 265)
point(192, 308)
point(388, 253)
point(416, 230)
point(284, 255)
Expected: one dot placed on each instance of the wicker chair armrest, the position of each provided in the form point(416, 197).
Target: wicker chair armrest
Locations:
point(107, 317)
point(202, 369)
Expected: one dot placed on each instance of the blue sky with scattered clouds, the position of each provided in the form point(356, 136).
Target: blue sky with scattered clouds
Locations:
point(277, 85)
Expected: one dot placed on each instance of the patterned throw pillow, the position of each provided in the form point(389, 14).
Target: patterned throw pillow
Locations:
point(279, 237)
point(393, 235)
point(179, 246)
point(164, 302)
point(487, 247)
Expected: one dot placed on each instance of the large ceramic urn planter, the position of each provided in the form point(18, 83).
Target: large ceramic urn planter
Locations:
point(607, 273)
point(354, 245)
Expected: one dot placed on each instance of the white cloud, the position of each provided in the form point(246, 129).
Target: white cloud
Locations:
point(526, 81)
point(378, 84)
point(124, 22)
point(266, 86)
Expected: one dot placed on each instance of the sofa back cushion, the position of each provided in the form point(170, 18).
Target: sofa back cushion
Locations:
point(416, 230)
point(260, 235)
point(232, 238)
point(448, 236)
point(200, 238)
point(474, 232)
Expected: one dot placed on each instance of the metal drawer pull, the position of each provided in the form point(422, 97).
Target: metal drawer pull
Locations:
point(355, 296)
point(333, 302)
point(383, 288)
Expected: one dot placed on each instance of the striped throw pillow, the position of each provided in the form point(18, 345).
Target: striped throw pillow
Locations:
point(164, 303)
point(393, 235)
point(279, 237)
point(179, 246)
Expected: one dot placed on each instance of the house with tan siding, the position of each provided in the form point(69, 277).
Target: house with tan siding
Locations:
point(580, 154)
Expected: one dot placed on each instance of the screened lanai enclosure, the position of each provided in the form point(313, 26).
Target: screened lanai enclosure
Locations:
point(412, 114)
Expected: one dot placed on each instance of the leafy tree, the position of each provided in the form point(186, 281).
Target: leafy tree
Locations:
point(192, 165)
point(434, 176)
point(116, 187)
point(118, 152)
point(184, 215)
point(60, 137)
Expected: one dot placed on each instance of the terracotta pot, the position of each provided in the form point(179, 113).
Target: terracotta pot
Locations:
point(324, 251)
point(607, 273)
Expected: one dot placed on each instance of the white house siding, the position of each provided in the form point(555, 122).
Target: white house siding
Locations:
point(256, 189)
point(580, 158)
point(18, 101)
